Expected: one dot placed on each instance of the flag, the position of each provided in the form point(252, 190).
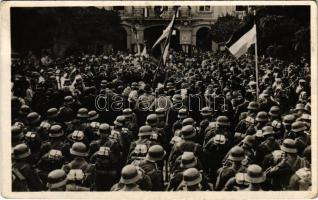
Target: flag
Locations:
point(242, 39)
point(166, 32)
point(144, 52)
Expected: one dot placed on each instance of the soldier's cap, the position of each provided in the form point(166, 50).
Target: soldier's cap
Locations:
point(255, 174)
point(76, 136)
point(298, 126)
point(21, 151)
point(289, 119)
point(240, 178)
point(56, 131)
point(300, 107)
point(82, 113)
point(151, 119)
point(160, 112)
point(274, 111)
point(93, 115)
point(188, 160)
point(79, 149)
point(249, 140)
point(177, 98)
point(156, 153)
point(16, 133)
point(104, 151)
point(236, 154)
point(191, 177)
point(289, 146)
point(253, 105)
point(56, 179)
point(24, 110)
point(128, 112)
point(104, 128)
point(69, 100)
point(75, 175)
point(267, 130)
point(219, 139)
point(145, 130)
point(206, 111)
point(182, 113)
point(223, 121)
point(52, 113)
point(261, 116)
point(188, 132)
point(130, 175)
point(55, 154)
point(188, 121)
point(120, 120)
point(33, 118)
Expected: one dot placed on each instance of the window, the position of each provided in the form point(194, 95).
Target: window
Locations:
point(119, 8)
point(204, 8)
point(241, 8)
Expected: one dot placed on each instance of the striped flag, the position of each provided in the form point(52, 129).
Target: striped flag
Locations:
point(242, 39)
point(166, 33)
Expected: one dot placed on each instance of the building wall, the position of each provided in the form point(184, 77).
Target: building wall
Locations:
point(189, 22)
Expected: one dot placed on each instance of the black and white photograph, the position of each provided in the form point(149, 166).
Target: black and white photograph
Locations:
point(164, 98)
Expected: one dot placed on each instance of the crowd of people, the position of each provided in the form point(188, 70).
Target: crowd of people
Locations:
point(116, 122)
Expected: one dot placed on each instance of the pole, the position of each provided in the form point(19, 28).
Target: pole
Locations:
point(256, 61)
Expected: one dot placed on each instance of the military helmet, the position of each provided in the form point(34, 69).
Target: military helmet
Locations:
point(156, 153)
point(130, 175)
point(16, 132)
point(236, 154)
point(104, 129)
point(191, 177)
point(289, 146)
point(274, 111)
point(79, 149)
point(56, 179)
point(92, 115)
point(25, 109)
point(289, 119)
point(151, 119)
point(188, 132)
point(145, 131)
point(33, 118)
point(188, 160)
point(82, 113)
point(21, 151)
point(56, 131)
point(298, 126)
point(261, 117)
point(120, 120)
point(255, 174)
point(223, 121)
point(182, 113)
point(206, 111)
point(267, 130)
point(188, 121)
point(160, 112)
point(52, 113)
point(253, 105)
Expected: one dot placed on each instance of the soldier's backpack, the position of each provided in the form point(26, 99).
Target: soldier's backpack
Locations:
point(138, 154)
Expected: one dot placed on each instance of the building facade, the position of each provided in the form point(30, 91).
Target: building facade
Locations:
point(144, 25)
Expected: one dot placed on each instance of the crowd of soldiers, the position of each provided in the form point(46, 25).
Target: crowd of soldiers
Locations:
point(118, 123)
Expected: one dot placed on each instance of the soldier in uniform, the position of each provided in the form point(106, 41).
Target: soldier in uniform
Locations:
point(130, 177)
point(282, 172)
point(57, 140)
point(188, 134)
point(232, 165)
point(301, 180)
point(276, 122)
point(56, 180)
point(131, 122)
point(298, 134)
point(143, 104)
point(287, 122)
point(121, 135)
point(246, 122)
point(107, 169)
point(151, 166)
point(16, 135)
point(267, 146)
point(182, 114)
point(222, 127)
point(23, 170)
point(193, 180)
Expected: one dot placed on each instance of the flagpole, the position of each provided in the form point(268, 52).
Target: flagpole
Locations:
point(256, 61)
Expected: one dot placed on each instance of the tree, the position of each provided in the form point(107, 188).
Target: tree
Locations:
point(64, 28)
point(224, 27)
